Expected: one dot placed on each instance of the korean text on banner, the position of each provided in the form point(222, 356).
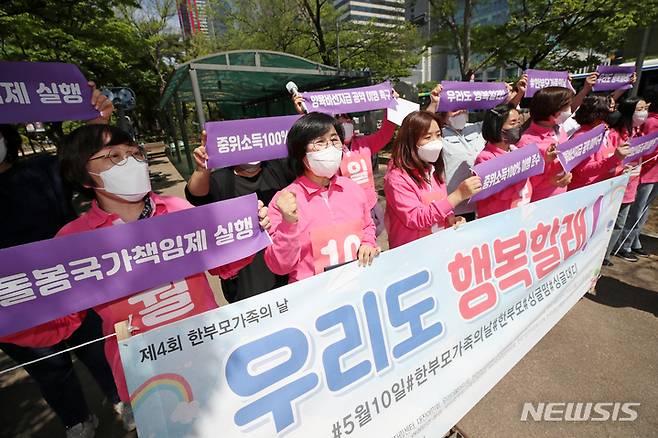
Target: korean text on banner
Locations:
point(43, 92)
point(538, 79)
point(613, 77)
point(408, 345)
point(507, 170)
point(351, 100)
point(234, 142)
point(51, 278)
point(574, 151)
point(641, 146)
point(457, 95)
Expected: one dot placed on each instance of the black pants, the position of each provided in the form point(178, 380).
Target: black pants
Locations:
point(55, 376)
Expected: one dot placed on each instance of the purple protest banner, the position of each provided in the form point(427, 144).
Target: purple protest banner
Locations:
point(43, 92)
point(351, 100)
point(234, 142)
point(538, 79)
point(574, 151)
point(508, 169)
point(613, 77)
point(471, 95)
point(641, 146)
point(45, 280)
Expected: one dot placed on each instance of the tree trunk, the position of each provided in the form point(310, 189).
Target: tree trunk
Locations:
point(466, 37)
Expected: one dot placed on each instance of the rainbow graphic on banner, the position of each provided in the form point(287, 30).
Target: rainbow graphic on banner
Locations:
point(174, 383)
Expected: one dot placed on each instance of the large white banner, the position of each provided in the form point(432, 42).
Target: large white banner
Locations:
point(405, 347)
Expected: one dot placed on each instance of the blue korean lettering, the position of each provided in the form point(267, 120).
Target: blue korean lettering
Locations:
point(411, 315)
point(336, 378)
point(375, 331)
point(279, 401)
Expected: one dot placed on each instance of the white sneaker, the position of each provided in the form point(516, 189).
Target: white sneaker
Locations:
point(86, 429)
point(125, 412)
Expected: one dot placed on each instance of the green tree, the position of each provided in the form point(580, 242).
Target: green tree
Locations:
point(561, 35)
point(455, 19)
point(313, 29)
point(114, 42)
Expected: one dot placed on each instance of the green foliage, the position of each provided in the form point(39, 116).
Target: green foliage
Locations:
point(550, 34)
point(312, 29)
point(114, 42)
point(426, 87)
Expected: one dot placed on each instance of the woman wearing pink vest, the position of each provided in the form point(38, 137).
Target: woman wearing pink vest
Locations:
point(607, 161)
point(358, 151)
point(501, 129)
point(549, 108)
point(417, 201)
point(634, 115)
point(105, 163)
point(322, 219)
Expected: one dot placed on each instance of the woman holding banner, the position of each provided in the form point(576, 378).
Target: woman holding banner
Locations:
point(647, 191)
point(463, 142)
point(321, 219)
point(549, 108)
point(36, 205)
point(607, 161)
point(105, 163)
point(357, 156)
point(633, 111)
point(501, 129)
point(417, 199)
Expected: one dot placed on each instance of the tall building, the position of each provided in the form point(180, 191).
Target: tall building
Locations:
point(385, 13)
point(192, 17)
point(432, 66)
point(436, 65)
point(491, 12)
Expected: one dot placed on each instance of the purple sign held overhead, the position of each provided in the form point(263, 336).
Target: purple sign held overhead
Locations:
point(507, 170)
point(45, 280)
point(351, 100)
point(457, 95)
point(538, 79)
point(641, 146)
point(574, 151)
point(43, 92)
point(234, 142)
point(613, 77)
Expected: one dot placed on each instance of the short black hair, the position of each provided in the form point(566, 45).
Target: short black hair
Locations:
point(13, 142)
point(80, 145)
point(493, 122)
point(306, 129)
point(593, 108)
point(548, 101)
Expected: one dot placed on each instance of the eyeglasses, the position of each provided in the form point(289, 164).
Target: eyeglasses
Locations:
point(119, 158)
point(319, 145)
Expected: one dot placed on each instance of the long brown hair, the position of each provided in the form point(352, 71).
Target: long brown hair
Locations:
point(405, 152)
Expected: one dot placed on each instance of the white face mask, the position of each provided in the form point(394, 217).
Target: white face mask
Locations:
point(325, 163)
point(3, 149)
point(129, 181)
point(348, 128)
point(563, 116)
point(429, 152)
point(459, 121)
point(639, 117)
